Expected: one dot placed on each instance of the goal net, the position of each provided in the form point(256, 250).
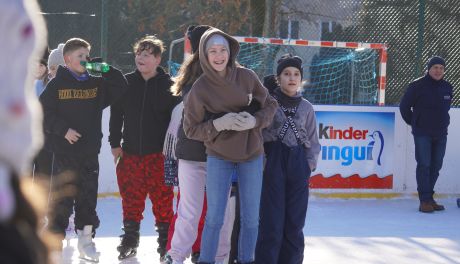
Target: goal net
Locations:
point(333, 72)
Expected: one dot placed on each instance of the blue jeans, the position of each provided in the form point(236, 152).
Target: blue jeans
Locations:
point(429, 154)
point(218, 183)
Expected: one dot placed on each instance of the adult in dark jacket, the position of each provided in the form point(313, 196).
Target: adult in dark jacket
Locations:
point(425, 107)
point(141, 118)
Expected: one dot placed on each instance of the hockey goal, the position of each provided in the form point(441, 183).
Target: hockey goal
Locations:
point(334, 72)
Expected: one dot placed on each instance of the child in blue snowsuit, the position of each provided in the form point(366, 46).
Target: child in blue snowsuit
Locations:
point(291, 148)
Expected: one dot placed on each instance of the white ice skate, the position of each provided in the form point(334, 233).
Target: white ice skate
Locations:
point(86, 246)
point(70, 230)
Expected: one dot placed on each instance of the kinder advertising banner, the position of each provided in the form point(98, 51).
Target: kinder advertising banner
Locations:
point(356, 150)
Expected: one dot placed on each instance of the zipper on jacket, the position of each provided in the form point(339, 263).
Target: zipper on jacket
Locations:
point(141, 118)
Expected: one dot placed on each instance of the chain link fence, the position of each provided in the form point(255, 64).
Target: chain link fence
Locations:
point(414, 30)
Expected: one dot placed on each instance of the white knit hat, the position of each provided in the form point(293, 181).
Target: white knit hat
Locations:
point(56, 56)
point(217, 39)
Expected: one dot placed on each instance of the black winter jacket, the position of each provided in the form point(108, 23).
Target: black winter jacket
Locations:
point(141, 116)
point(189, 149)
point(70, 103)
point(425, 106)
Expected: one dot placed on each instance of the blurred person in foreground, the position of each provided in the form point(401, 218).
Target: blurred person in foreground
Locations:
point(24, 34)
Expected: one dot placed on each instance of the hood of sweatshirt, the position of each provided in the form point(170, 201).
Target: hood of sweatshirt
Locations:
point(209, 73)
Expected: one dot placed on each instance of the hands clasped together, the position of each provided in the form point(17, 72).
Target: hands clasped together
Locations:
point(235, 121)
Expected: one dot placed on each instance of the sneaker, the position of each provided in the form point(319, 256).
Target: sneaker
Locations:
point(426, 207)
point(436, 206)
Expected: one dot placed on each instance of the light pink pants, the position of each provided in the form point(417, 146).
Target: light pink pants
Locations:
point(192, 179)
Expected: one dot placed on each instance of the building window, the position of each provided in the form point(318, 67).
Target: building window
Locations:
point(327, 28)
point(289, 29)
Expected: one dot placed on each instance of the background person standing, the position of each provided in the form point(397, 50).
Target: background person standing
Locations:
point(425, 107)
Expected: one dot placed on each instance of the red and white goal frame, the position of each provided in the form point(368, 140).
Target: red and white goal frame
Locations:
point(381, 48)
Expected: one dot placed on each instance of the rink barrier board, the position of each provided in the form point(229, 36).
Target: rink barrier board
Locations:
point(402, 164)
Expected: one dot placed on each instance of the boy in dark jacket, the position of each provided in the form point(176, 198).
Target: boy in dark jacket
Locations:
point(141, 118)
point(72, 104)
point(425, 107)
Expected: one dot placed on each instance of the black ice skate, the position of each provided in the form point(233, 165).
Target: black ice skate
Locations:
point(129, 240)
point(162, 230)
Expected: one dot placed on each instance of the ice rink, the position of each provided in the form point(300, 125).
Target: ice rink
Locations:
point(337, 231)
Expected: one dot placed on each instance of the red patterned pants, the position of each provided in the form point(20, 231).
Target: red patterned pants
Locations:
point(141, 175)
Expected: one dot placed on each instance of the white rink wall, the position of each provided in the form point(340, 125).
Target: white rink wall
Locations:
point(449, 176)
point(401, 161)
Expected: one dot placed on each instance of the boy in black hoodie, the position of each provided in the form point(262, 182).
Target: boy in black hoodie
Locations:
point(141, 118)
point(72, 104)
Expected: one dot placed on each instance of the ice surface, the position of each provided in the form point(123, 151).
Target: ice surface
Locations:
point(337, 231)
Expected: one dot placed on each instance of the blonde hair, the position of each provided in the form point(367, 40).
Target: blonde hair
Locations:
point(188, 74)
point(74, 44)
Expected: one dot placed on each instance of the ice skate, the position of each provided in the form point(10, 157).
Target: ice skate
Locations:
point(195, 257)
point(166, 259)
point(70, 230)
point(86, 246)
point(129, 240)
point(126, 252)
point(162, 230)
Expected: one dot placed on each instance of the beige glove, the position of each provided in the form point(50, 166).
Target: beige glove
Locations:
point(244, 121)
point(225, 123)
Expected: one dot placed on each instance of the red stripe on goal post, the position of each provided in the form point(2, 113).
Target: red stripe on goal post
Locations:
point(327, 44)
point(377, 46)
point(276, 41)
point(251, 40)
point(353, 45)
point(301, 42)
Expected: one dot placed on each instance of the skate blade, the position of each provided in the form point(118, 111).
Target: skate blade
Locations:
point(130, 254)
point(92, 260)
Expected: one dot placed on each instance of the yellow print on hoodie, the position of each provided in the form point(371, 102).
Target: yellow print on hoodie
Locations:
point(65, 94)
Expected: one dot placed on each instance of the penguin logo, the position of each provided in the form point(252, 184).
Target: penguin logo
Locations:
point(376, 145)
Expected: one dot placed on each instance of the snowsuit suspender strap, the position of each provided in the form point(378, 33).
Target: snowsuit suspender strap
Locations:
point(289, 113)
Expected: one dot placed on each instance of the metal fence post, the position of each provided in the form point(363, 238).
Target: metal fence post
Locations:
point(420, 38)
point(104, 27)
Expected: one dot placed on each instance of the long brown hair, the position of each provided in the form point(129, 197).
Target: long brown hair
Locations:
point(188, 74)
